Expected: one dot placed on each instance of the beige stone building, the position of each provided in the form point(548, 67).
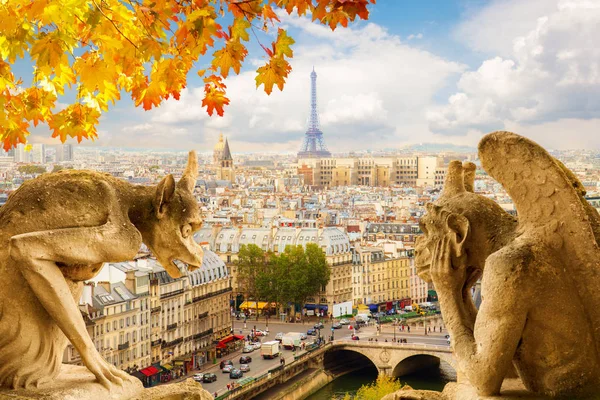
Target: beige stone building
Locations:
point(147, 318)
point(222, 161)
point(226, 242)
point(380, 280)
point(372, 171)
point(118, 323)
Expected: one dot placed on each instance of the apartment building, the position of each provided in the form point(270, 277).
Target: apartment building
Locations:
point(153, 326)
point(226, 242)
point(380, 280)
point(118, 323)
point(372, 171)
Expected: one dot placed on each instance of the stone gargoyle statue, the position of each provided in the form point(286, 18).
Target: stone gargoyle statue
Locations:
point(56, 231)
point(540, 273)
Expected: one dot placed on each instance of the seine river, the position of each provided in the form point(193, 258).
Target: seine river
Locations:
point(433, 379)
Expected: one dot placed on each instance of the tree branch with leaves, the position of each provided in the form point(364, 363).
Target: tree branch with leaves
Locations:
point(145, 48)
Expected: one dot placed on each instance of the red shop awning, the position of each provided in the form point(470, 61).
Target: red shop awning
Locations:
point(226, 339)
point(149, 371)
point(240, 337)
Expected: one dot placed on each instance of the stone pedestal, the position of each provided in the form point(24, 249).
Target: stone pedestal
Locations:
point(512, 389)
point(78, 383)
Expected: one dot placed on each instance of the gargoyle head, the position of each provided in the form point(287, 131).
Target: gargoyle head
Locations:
point(175, 218)
point(468, 219)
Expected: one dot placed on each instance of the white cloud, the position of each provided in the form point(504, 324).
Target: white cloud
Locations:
point(413, 36)
point(369, 84)
point(137, 128)
point(553, 73)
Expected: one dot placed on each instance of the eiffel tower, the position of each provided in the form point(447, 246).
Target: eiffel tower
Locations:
point(313, 145)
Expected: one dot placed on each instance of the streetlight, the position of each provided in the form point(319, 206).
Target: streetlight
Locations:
point(395, 321)
point(268, 313)
point(332, 331)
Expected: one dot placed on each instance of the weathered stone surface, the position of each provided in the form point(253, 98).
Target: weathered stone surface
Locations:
point(75, 383)
point(540, 313)
point(186, 390)
point(408, 393)
point(56, 231)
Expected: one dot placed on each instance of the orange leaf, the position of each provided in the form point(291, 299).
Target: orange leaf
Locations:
point(273, 73)
point(283, 43)
point(269, 14)
point(231, 56)
point(214, 99)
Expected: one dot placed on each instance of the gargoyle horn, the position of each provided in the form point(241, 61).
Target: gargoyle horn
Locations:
point(454, 179)
point(188, 180)
point(469, 176)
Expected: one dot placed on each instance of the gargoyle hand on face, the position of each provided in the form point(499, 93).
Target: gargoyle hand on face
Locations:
point(448, 266)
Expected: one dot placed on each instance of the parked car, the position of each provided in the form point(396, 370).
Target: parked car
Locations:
point(258, 332)
point(319, 325)
point(256, 345)
point(224, 363)
point(279, 336)
point(312, 332)
point(344, 321)
point(208, 378)
point(245, 359)
point(226, 369)
point(337, 325)
point(245, 367)
point(248, 348)
point(236, 374)
point(198, 377)
point(303, 336)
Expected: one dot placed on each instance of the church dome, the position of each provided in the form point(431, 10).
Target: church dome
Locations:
point(220, 144)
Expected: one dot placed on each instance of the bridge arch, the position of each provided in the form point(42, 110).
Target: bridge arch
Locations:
point(339, 361)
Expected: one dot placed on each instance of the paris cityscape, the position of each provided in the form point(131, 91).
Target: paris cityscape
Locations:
point(304, 267)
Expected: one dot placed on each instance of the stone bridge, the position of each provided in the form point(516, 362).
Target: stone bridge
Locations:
point(394, 359)
point(334, 359)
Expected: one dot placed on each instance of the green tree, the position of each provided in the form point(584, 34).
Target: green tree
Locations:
point(251, 264)
point(304, 272)
point(271, 281)
point(318, 272)
point(384, 385)
point(31, 169)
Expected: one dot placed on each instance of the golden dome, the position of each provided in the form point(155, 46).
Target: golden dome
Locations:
point(220, 144)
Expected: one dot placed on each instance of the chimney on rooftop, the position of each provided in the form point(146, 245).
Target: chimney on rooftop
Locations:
point(105, 285)
point(130, 282)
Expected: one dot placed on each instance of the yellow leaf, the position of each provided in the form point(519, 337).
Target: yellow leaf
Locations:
point(48, 50)
point(94, 72)
point(273, 73)
point(239, 29)
point(231, 56)
point(283, 43)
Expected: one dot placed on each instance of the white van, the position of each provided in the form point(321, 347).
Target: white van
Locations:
point(363, 317)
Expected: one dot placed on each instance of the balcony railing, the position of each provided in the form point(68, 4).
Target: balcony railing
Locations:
point(171, 294)
point(203, 315)
point(203, 334)
point(172, 343)
point(209, 295)
point(172, 326)
point(124, 346)
point(156, 342)
point(154, 310)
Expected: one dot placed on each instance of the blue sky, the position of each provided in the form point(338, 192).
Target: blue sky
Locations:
point(418, 71)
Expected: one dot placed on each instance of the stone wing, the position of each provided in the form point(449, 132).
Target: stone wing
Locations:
point(551, 209)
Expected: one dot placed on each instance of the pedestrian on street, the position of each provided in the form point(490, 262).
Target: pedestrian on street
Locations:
point(408, 327)
point(216, 395)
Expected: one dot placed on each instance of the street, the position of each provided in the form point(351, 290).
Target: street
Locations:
point(258, 366)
